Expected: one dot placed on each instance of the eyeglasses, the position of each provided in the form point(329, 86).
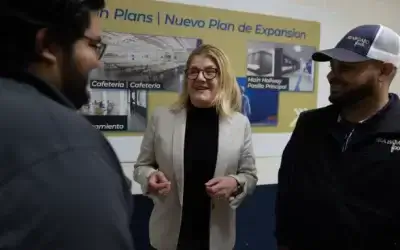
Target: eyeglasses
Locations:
point(208, 74)
point(99, 46)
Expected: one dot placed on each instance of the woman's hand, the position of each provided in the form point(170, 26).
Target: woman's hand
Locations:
point(159, 184)
point(221, 187)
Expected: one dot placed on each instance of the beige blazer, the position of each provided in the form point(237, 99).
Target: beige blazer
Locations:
point(163, 144)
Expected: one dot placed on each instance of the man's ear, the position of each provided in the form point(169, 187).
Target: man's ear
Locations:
point(44, 48)
point(387, 70)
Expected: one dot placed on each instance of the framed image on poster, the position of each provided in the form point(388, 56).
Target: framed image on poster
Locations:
point(135, 67)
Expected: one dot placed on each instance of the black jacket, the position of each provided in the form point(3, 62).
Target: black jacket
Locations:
point(61, 184)
point(339, 184)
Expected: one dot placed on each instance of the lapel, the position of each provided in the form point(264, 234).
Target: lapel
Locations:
point(178, 141)
point(224, 143)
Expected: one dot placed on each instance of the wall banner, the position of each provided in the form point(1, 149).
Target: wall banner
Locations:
point(149, 43)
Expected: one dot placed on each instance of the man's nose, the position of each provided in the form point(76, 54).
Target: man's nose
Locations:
point(330, 75)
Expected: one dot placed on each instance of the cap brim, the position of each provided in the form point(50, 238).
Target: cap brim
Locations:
point(338, 54)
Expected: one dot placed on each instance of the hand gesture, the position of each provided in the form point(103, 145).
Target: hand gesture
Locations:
point(221, 187)
point(158, 183)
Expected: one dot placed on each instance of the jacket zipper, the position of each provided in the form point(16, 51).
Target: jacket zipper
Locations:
point(347, 140)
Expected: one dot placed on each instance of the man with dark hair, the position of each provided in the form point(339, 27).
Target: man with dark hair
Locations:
point(339, 180)
point(61, 184)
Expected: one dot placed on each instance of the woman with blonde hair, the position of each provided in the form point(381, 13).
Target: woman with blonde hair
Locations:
point(196, 160)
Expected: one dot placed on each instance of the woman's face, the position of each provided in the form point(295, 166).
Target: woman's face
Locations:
point(203, 78)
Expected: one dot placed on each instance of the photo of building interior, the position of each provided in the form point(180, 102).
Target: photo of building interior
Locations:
point(145, 58)
point(129, 103)
point(107, 102)
point(282, 60)
point(137, 118)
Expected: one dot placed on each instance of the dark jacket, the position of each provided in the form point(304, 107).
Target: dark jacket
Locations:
point(339, 183)
point(61, 184)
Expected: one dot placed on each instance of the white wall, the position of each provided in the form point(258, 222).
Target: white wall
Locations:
point(336, 18)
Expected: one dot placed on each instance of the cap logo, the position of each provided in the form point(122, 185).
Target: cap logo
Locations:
point(359, 41)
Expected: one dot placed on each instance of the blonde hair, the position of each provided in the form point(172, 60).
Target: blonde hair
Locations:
point(228, 99)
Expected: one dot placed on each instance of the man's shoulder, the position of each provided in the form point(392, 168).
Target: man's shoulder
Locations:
point(34, 112)
point(320, 114)
point(36, 124)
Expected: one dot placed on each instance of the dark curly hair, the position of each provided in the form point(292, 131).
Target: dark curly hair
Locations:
point(66, 21)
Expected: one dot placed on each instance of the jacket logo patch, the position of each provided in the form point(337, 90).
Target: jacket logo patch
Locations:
point(394, 144)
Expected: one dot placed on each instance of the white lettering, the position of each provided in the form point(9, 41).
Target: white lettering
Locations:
point(143, 85)
point(359, 41)
point(388, 141)
point(271, 80)
point(109, 126)
point(394, 144)
point(107, 84)
point(394, 148)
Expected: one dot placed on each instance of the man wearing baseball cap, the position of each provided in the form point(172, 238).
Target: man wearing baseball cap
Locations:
point(339, 180)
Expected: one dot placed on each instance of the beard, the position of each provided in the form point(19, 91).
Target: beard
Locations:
point(74, 83)
point(347, 98)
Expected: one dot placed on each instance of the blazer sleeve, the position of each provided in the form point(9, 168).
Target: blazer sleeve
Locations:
point(247, 172)
point(146, 162)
